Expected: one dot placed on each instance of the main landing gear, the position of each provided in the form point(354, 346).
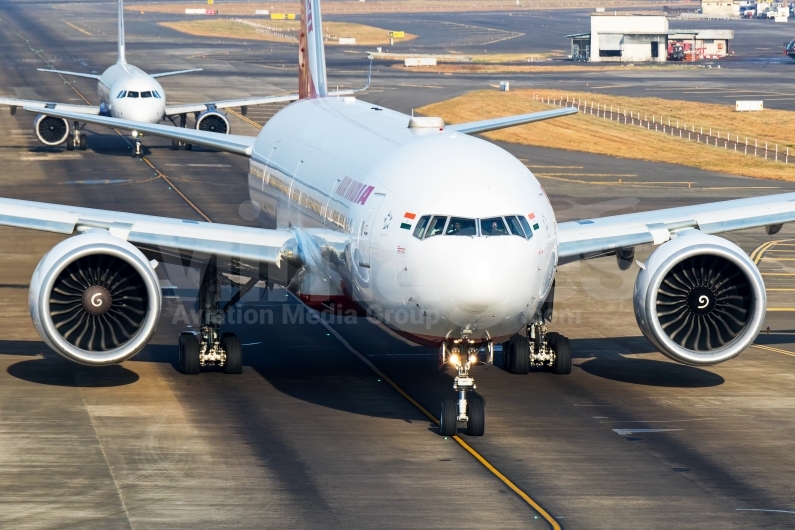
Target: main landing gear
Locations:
point(77, 139)
point(208, 346)
point(176, 144)
point(538, 349)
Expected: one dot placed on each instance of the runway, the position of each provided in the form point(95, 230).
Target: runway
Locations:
point(310, 436)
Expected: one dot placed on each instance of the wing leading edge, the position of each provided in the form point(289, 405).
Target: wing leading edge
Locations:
point(594, 237)
point(160, 235)
point(476, 127)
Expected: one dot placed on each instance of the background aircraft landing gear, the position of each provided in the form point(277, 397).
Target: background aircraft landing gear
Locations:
point(463, 354)
point(76, 140)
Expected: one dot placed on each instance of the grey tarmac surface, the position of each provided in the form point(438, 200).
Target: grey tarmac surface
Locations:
point(308, 436)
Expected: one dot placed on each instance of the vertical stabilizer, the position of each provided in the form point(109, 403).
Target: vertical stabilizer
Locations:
point(121, 59)
point(311, 55)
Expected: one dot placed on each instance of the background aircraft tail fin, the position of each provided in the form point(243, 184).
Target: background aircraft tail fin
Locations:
point(121, 59)
point(311, 54)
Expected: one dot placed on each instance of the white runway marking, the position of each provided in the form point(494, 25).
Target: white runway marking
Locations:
point(52, 156)
point(200, 165)
point(624, 432)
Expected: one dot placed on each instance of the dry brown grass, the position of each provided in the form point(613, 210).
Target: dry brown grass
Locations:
point(394, 6)
point(226, 29)
point(587, 133)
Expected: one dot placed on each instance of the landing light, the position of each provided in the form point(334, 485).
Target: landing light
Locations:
point(455, 360)
point(473, 359)
point(135, 134)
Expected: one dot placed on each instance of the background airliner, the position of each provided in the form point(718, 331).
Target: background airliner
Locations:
point(446, 238)
point(128, 92)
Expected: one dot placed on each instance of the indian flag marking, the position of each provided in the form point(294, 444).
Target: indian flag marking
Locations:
point(406, 224)
point(532, 217)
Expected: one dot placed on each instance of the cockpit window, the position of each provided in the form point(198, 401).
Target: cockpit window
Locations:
point(132, 94)
point(156, 94)
point(147, 94)
point(422, 224)
point(527, 230)
point(436, 227)
point(514, 226)
point(493, 226)
point(121, 94)
point(461, 227)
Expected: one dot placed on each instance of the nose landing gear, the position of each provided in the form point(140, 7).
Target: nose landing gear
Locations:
point(463, 354)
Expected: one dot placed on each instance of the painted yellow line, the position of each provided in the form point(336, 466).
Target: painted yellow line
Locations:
point(777, 273)
point(780, 309)
point(778, 259)
point(779, 289)
point(81, 30)
point(250, 122)
point(761, 248)
point(468, 448)
point(776, 350)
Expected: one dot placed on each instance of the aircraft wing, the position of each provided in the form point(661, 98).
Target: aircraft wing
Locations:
point(64, 72)
point(231, 143)
point(162, 235)
point(476, 127)
point(36, 106)
point(173, 110)
point(601, 236)
point(175, 72)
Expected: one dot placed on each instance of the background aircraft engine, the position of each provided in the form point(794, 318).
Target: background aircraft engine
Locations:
point(700, 299)
point(95, 299)
point(213, 121)
point(51, 131)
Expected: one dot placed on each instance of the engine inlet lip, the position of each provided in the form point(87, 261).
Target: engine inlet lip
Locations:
point(133, 345)
point(736, 346)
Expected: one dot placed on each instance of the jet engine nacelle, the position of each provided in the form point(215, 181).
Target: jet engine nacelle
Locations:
point(213, 121)
point(699, 299)
point(95, 299)
point(51, 131)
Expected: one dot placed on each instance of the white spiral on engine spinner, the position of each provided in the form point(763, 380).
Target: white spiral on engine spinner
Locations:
point(95, 301)
point(703, 300)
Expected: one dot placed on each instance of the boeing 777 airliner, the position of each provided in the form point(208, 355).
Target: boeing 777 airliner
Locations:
point(446, 238)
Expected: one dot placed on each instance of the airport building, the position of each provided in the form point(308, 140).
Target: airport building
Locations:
point(645, 37)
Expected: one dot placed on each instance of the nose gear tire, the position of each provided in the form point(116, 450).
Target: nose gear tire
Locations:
point(189, 354)
point(476, 424)
point(234, 354)
point(448, 419)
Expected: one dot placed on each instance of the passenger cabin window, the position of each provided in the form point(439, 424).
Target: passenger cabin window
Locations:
point(147, 94)
point(422, 224)
point(132, 94)
point(514, 226)
point(436, 227)
point(461, 227)
point(493, 226)
point(121, 94)
point(527, 230)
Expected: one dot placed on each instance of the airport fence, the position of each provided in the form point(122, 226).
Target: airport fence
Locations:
point(686, 131)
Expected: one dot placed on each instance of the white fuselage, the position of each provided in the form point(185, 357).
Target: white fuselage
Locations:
point(353, 186)
point(130, 93)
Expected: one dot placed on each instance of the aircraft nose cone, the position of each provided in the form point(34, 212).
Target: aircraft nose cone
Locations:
point(478, 283)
